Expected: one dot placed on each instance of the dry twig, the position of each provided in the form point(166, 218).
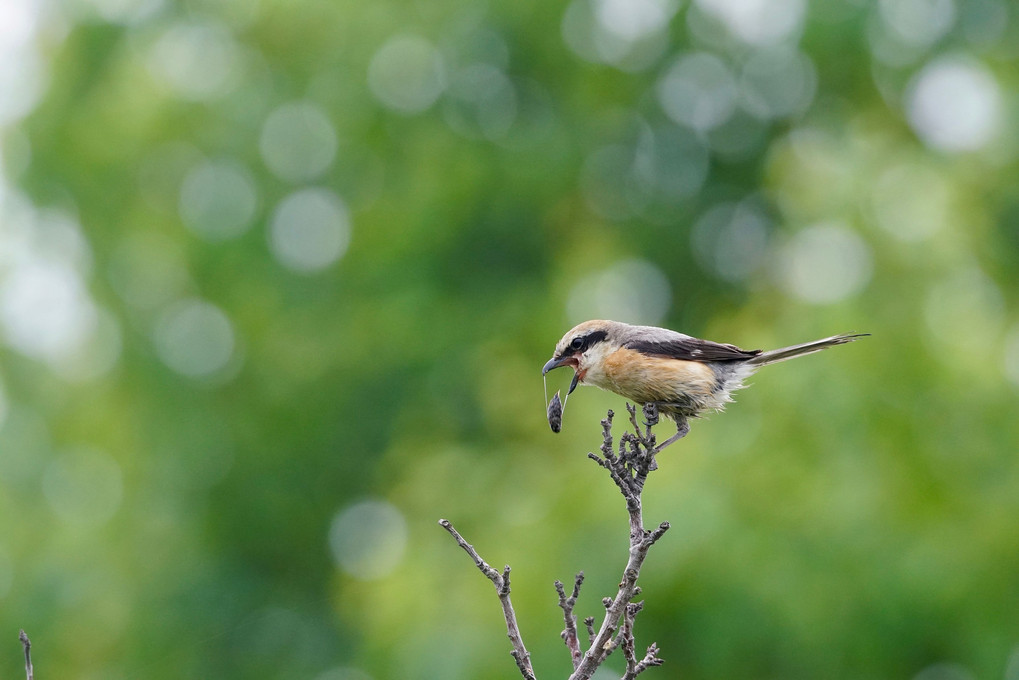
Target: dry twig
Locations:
point(502, 587)
point(27, 644)
point(569, 635)
point(629, 470)
point(628, 466)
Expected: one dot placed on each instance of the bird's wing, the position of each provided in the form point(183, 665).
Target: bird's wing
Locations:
point(691, 349)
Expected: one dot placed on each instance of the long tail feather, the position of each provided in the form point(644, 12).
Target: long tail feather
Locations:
point(776, 355)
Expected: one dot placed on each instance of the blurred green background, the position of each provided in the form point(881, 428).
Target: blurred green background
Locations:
point(277, 279)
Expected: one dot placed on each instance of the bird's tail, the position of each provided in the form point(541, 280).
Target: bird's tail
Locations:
point(776, 355)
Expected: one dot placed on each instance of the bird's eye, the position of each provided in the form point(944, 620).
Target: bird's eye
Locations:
point(577, 343)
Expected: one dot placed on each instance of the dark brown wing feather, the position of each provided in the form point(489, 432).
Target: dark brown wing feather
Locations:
point(693, 349)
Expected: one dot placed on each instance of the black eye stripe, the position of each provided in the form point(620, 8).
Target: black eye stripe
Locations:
point(582, 343)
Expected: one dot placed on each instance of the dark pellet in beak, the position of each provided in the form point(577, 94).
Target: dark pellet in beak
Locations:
point(555, 413)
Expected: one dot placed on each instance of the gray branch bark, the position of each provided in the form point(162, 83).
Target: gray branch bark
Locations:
point(629, 467)
point(502, 587)
point(27, 644)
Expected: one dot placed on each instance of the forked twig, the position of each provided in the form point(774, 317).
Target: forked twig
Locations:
point(569, 634)
point(629, 465)
point(502, 587)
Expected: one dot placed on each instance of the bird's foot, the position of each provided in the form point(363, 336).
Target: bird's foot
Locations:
point(682, 429)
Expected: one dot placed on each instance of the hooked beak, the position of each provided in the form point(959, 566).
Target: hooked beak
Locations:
point(555, 363)
point(564, 361)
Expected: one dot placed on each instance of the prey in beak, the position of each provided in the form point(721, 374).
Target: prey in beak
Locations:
point(570, 361)
point(556, 407)
point(573, 351)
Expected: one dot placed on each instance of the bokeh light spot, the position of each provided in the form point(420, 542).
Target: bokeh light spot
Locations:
point(825, 263)
point(194, 338)
point(918, 22)
point(310, 230)
point(1012, 667)
point(83, 486)
point(218, 200)
point(698, 91)
point(4, 405)
point(777, 82)
point(18, 22)
point(22, 71)
point(631, 35)
point(481, 102)
point(45, 310)
point(731, 240)
point(812, 178)
point(1011, 367)
point(57, 236)
point(368, 539)
point(22, 80)
point(125, 11)
point(96, 355)
point(298, 142)
point(757, 22)
point(343, 673)
point(671, 165)
point(632, 291)
point(634, 19)
point(955, 104)
point(197, 61)
point(911, 201)
point(944, 671)
point(407, 74)
point(984, 22)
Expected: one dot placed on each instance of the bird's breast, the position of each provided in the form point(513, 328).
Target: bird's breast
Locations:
point(646, 378)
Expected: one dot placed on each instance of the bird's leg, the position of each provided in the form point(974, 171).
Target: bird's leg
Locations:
point(682, 428)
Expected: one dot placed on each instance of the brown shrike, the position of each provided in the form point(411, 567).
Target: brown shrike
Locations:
point(682, 375)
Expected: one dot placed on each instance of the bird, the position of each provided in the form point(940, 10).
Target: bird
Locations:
point(682, 375)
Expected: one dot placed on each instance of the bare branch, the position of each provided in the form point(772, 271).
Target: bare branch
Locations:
point(632, 410)
point(628, 462)
point(569, 635)
point(629, 470)
point(650, 416)
point(502, 587)
point(650, 659)
point(626, 636)
point(27, 644)
point(606, 430)
point(653, 536)
point(611, 464)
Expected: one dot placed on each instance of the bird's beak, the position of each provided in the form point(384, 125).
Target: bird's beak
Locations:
point(565, 361)
point(554, 363)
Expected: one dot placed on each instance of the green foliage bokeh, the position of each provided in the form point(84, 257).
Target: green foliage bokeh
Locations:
point(174, 495)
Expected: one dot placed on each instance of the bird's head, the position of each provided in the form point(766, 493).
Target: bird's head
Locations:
point(584, 348)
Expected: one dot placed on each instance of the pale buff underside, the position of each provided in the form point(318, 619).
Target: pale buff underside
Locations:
point(692, 386)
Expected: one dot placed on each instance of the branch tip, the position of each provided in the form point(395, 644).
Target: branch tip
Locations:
point(27, 644)
point(628, 461)
point(502, 587)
